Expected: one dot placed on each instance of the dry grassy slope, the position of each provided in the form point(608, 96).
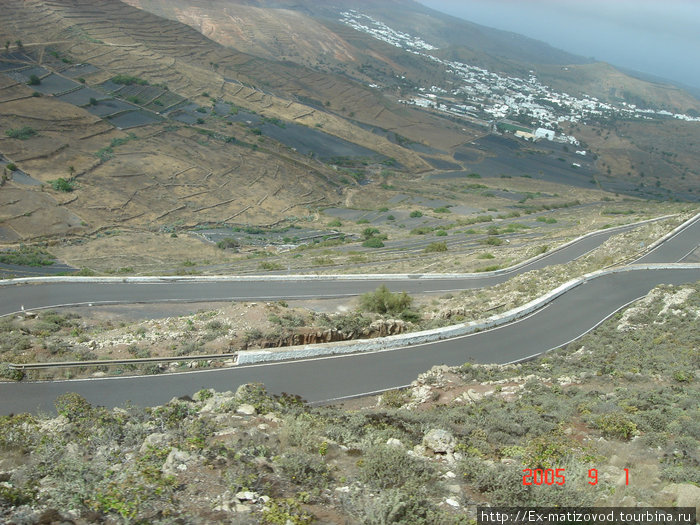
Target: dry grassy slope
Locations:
point(275, 34)
point(122, 39)
point(605, 82)
point(265, 31)
point(162, 177)
point(165, 177)
point(287, 80)
point(645, 152)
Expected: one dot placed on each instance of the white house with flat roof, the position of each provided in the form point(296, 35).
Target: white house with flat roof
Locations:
point(544, 133)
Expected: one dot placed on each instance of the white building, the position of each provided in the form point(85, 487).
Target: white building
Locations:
point(544, 133)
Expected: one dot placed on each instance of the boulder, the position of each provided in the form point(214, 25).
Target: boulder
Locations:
point(246, 410)
point(247, 495)
point(155, 440)
point(683, 494)
point(440, 441)
point(393, 442)
point(176, 462)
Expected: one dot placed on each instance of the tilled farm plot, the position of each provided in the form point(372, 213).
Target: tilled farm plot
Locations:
point(54, 84)
point(81, 97)
point(133, 119)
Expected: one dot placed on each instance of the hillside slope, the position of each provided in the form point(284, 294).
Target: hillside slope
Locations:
point(138, 151)
point(306, 32)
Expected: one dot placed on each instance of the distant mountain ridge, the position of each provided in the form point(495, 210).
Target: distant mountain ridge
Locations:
point(306, 32)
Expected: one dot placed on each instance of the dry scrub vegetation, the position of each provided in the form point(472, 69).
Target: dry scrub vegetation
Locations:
point(624, 396)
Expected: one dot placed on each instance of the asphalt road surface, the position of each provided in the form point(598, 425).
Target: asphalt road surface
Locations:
point(15, 298)
point(335, 377)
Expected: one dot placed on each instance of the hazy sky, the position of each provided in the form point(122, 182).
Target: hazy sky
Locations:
point(661, 37)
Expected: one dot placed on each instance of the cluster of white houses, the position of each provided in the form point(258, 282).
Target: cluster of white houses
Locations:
point(492, 98)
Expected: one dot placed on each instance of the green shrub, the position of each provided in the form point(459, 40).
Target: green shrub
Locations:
point(352, 322)
point(373, 242)
point(399, 507)
point(436, 247)
point(73, 406)
point(492, 241)
point(616, 425)
point(335, 223)
point(415, 213)
point(27, 256)
point(61, 184)
point(285, 512)
point(547, 220)
point(11, 166)
point(442, 209)
point(304, 469)
point(7, 372)
point(395, 398)
point(34, 80)
point(387, 467)
point(270, 266)
point(383, 301)
point(22, 133)
point(369, 232)
point(441, 233)
point(227, 243)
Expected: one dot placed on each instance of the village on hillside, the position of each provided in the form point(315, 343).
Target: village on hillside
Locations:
point(525, 107)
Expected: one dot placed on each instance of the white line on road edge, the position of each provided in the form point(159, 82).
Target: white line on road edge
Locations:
point(523, 359)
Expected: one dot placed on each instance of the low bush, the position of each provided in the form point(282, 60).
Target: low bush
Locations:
point(492, 241)
point(373, 242)
point(304, 469)
point(383, 301)
point(227, 243)
point(7, 372)
point(436, 247)
point(270, 266)
point(22, 133)
point(61, 184)
point(616, 425)
point(387, 467)
point(27, 256)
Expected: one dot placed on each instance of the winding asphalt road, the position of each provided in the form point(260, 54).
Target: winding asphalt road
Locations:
point(335, 377)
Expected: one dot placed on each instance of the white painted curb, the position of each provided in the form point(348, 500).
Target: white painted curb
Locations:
point(332, 277)
point(427, 336)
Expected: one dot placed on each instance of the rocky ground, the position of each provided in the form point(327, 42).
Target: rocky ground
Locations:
point(623, 397)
